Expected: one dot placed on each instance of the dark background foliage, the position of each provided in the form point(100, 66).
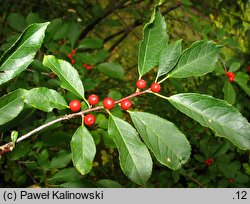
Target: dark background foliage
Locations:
point(116, 27)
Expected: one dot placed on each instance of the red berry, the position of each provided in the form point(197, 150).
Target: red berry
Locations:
point(75, 105)
point(230, 180)
point(155, 87)
point(141, 84)
point(73, 51)
point(230, 76)
point(73, 61)
point(93, 99)
point(70, 56)
point(248, 69)
point(88, 67)
point(89, 119)
point(209, 161)
point(126, 104)
point(108, 103)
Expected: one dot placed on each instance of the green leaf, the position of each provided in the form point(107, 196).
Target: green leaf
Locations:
point(169, 57)
point(107, 183)
point(168, 144)
point(14, 135)
point(241, 79)
point(216, 114)
point(43, 159)
point(83, 150)
point(20, 150)
point(155, 38)
point(93, 43)
point(101, 56)
point(234, 66)
point(11, 105)
point(61, 160)
point(19, 56)
point(61, 32)
point(197, 60)
point(111, 69)
point(65, 175)
point(186, 2)
point(68, 75)
point(16, 21)
point(32, 18)
point(135, 160)
point(76, 184)
point(229, 92)
point(222, 149)
point(87, 58)
point(45, 99)
point(74, 32)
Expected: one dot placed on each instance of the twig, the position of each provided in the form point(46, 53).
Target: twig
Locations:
point(109, 10)
point(195, 180)
point(223, 64)
point(9, 146)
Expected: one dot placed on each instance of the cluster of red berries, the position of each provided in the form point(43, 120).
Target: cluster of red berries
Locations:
point(209, 161)
point(88, 66)
point(230, 180)
point(230, 76)
point(109, 103)
point(141, 84)
point(70, 56)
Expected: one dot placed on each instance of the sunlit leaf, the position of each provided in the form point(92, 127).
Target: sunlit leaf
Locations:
point(19, 56)
point(68, 75)
point(45, 99)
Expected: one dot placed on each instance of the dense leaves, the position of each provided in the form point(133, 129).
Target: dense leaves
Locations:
point(101, 40)
point(216, 114)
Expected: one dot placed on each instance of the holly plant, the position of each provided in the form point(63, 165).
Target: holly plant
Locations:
point(142, 136)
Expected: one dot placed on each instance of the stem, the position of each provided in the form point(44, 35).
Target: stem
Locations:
point(86, 101)
point(165, 97)
point(9, 146)
point(133, 95)
point(223, 64)
point(163, 79)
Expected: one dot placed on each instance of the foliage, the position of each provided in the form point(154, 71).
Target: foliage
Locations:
point(45, 65)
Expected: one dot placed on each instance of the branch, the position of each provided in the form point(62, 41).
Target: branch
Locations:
point(8, 147)
point(132, 26)
point(118, 41)
point(108, 10)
